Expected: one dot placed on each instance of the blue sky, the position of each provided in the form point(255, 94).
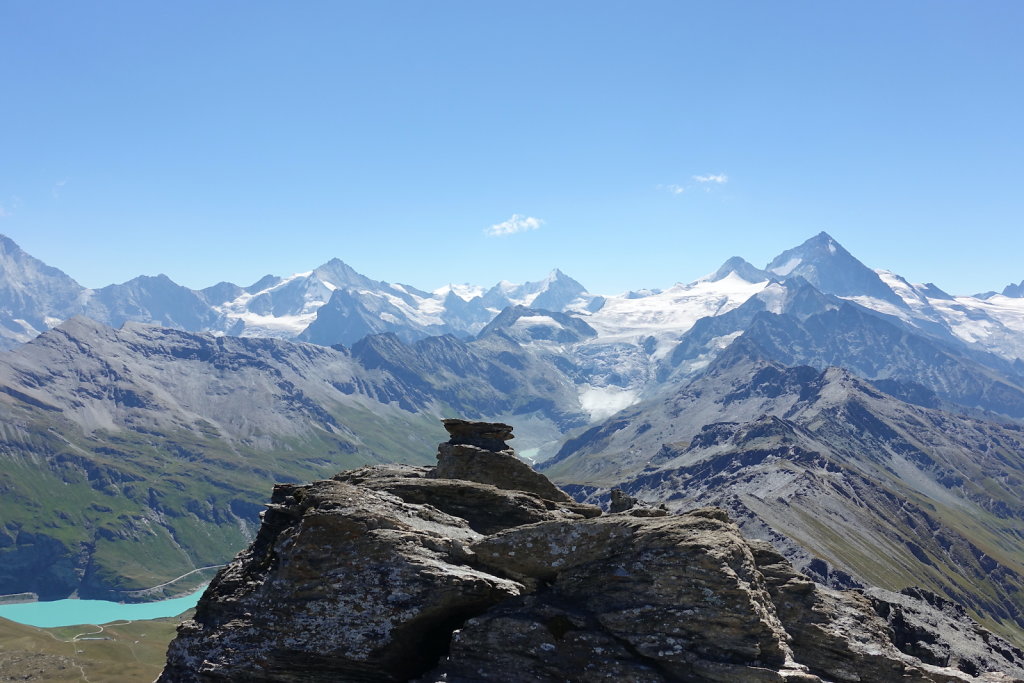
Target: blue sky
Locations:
point(635, 144)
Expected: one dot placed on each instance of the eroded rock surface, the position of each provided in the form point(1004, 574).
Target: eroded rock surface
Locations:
point(481, 570)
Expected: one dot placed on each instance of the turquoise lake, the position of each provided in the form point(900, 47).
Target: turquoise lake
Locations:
point(72, 612)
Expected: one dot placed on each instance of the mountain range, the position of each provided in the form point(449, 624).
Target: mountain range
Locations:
point(868, 427)
point(332, 304)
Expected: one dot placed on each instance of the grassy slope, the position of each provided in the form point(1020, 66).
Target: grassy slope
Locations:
point(133, 509)
point(133, 651)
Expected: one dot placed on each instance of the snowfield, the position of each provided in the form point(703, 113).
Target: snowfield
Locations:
point(672, 312)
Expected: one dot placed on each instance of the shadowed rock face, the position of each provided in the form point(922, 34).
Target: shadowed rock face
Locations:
point(393, 573)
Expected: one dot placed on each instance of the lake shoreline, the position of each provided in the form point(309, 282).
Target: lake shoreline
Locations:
point(75, 611)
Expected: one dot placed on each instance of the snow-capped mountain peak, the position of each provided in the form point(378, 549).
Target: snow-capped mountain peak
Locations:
point(339, 274)
point(824, 263)
point(741, 267)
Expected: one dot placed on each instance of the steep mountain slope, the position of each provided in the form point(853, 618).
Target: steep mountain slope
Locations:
point(33, 296)
point(132, 456)
point(871, 347)
point(490, 376)
point(349, 316)
point(826, 466)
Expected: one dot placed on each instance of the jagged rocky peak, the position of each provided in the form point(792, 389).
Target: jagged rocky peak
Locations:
point(399, 573)
point(1015, 291)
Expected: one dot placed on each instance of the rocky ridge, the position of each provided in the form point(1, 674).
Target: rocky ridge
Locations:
point(828, 467)
point(480, 569)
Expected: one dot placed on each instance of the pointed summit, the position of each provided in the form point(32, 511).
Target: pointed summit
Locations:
point(338, 273)
point(559, 291)
point(824, 263)
point(819, 249)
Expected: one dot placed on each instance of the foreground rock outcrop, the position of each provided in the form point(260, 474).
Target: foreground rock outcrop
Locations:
point(480, 569)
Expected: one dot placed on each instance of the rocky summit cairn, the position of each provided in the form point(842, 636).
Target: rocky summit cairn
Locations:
point(477, 452)
point(480, 569)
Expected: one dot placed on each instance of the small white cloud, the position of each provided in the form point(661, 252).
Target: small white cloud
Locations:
point(57, 188)
point(4, 213)
point(719, 178)
point(517, 223)
point(672, 189)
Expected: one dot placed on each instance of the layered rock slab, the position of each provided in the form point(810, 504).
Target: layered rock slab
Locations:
point(396, 573)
